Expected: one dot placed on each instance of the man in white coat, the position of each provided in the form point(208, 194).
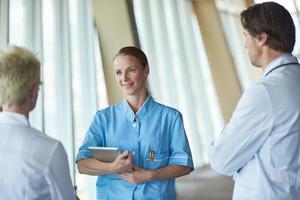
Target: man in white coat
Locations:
point(33, 165)
point(260, 146)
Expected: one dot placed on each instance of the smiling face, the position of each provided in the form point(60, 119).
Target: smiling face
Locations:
point(130, 75)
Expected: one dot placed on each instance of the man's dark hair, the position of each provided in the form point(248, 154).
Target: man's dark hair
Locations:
point(275, 21)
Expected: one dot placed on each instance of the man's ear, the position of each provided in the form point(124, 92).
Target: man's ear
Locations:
point(261, 39)
point(34, 93)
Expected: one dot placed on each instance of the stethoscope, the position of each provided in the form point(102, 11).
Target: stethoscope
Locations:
point(292, 63)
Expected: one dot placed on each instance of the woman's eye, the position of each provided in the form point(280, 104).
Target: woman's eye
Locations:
point(131, 70)
point(118, 72)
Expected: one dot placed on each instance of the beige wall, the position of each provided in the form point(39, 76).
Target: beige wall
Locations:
point(115, 31)
point(222, 67)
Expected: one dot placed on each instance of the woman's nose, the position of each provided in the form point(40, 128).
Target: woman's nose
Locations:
point(124, 76)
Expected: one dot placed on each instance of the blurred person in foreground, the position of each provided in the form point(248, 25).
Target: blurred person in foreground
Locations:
point(33, 165)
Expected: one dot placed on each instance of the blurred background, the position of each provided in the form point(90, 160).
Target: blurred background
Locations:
point(198, 65)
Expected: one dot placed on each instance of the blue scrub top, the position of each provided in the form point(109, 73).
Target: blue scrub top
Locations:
point(155, 127)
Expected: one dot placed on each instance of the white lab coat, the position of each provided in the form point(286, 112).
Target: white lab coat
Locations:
point(260, 146)
point(33, 165)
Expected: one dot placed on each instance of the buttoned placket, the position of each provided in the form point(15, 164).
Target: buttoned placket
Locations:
point(135, 120)
point(135, 125)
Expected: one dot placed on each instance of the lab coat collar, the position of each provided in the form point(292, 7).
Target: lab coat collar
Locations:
point(13, 118)
point(281, 60)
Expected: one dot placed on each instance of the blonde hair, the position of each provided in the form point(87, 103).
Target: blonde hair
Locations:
point(19, 72)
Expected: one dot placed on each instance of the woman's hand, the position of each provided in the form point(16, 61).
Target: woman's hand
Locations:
point(137, 176)
point(123, 162)
point(140, 175)
point(91, 166)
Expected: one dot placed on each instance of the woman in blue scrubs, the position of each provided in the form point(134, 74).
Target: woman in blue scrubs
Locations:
point(151, 137)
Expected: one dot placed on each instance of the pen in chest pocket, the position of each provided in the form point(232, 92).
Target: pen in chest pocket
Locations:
point(151, 155)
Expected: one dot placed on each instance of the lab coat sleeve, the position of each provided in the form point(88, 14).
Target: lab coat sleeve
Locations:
point(180, 153)
point(59, 179)
point(93, 137)
point(246, 132)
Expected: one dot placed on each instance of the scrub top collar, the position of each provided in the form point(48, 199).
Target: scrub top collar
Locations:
point(281, 60)
point(14, 118)
point(140, 114)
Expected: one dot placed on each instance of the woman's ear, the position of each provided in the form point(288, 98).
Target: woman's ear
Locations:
point(146, 70)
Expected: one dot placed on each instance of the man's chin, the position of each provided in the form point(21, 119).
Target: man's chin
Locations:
point(255, 64)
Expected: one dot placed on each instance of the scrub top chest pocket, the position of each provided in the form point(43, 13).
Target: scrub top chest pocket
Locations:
point(156, 160)
point(156, 150)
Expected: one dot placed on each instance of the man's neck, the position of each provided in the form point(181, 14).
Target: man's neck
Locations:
point(268, 56)
point(16, 109)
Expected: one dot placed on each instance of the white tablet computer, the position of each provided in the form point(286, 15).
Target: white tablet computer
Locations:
point(104, 154)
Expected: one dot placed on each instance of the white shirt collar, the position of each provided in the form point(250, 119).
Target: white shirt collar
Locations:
point(13, 118)
point(281, 60)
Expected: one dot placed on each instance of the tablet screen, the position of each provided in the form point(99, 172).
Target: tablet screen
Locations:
point(104, 154)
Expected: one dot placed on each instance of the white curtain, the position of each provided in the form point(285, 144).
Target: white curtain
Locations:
point(233, 32)
point(230, 16)
point(3, 23)
point(179, 71)
point(63, 35)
